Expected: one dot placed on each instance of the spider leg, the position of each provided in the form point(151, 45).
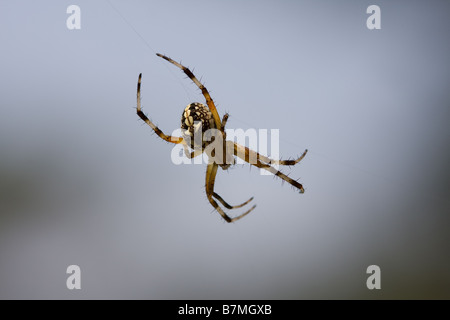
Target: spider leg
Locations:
point(253, 155)
point(192, 154)
point(141, 114)
point(211, 172)
point(226, 205)
point(247, 154)
point(209, 100)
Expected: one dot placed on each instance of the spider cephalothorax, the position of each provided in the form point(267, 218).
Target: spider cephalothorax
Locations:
point(195, 123)
point(204, 121)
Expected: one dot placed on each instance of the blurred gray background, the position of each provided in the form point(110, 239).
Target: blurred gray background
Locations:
point(83, 181)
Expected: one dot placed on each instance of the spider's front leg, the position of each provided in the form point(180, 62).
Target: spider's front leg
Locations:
point(209, 100)
point(211, 172)
point(141, 114)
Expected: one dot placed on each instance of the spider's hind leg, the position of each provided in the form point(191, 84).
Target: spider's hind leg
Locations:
point(142, 115)
point(254, 158)
point(224, 120)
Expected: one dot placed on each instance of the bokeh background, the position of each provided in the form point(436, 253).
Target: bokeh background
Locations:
point(83, 181)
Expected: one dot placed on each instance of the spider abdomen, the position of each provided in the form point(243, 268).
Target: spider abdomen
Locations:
point(196, 120)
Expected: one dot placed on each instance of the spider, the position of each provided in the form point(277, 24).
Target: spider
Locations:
point(198, 118)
